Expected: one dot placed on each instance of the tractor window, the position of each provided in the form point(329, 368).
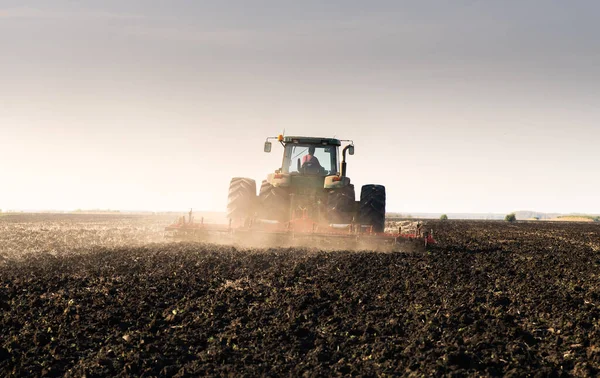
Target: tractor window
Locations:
point(297, 161)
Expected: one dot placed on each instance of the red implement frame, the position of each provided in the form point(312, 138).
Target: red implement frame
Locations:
point(297, 231)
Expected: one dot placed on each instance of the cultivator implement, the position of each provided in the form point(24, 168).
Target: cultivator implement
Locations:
point(301, 231)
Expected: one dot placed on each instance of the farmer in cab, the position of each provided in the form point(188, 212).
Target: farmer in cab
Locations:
point(310, 163)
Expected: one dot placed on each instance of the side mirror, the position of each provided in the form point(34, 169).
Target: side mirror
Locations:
point(267, 146)
point(351, 150)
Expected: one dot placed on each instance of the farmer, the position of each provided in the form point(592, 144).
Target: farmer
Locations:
point(310, 163)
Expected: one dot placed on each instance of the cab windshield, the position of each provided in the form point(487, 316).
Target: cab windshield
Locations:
point(297, 159)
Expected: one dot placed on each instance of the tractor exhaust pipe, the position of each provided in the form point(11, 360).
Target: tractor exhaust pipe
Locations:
point(350, 149)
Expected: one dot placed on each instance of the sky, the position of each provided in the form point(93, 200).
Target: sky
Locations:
point(462, 106)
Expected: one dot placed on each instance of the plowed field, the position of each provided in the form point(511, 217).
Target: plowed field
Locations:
point(103, 296)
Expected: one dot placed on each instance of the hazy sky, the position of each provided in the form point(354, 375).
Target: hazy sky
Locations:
point(456, 106)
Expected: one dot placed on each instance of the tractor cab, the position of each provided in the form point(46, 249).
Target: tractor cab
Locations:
point(309, 155)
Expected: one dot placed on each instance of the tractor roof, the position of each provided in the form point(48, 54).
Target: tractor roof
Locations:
point(312, 140)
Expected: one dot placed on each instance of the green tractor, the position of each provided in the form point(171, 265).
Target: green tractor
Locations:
point(310, 184)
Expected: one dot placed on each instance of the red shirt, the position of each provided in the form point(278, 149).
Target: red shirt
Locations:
point(310, 159)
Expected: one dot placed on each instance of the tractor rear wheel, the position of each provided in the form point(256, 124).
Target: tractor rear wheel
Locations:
point(241, 200)
point(340, 204)
point(372, 207)
point(274, 202)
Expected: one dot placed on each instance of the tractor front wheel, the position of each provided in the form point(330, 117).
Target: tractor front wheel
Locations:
point(274, 202)
point(340, 204)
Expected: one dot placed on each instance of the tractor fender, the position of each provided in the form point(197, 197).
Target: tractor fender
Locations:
point(279, 179)
point(339, 182)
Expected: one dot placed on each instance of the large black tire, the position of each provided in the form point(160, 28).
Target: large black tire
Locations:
point(340, 204)
point(372, 207)
point(241, 201)
point(274, 202)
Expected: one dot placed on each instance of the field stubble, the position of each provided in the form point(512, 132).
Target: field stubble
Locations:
point(102, 295)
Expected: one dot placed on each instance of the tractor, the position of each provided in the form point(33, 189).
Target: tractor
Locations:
point(310, 184)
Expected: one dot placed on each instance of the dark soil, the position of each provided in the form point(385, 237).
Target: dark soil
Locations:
point(491, 298)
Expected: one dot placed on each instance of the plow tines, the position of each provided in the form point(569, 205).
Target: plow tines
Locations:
point(301, 233)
